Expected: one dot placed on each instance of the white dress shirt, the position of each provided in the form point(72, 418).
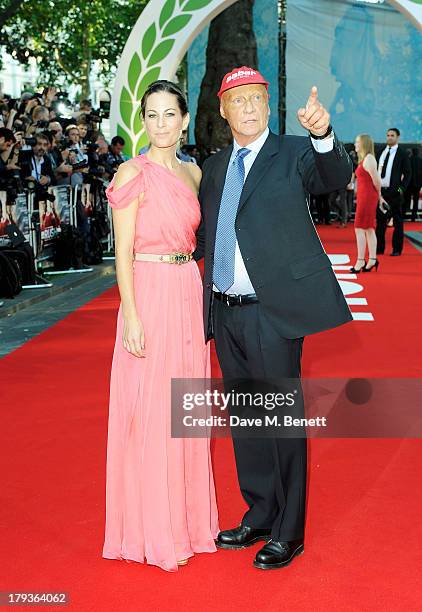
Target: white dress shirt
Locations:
point(385, 181)
point(36, 163)
point(242, 283)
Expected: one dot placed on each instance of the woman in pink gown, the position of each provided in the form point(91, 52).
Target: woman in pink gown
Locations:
point(160, 498)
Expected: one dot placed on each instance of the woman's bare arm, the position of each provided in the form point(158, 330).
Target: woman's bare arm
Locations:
point(124, 221)
point(370, 165)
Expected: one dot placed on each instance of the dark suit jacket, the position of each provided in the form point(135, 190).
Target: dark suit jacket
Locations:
point(401, 172)
point(25, 161)
point(416, 166)
point(283, 255)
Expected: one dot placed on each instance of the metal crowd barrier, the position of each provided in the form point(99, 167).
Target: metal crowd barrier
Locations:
point(41, 226)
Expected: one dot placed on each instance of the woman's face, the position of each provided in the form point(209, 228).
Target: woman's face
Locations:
point(163, 120)
point(357, 144)
point(83, 129)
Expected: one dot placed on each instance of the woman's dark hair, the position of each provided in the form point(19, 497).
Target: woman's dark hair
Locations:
point(170, 88)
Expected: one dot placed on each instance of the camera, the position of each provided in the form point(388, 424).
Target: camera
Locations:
point(79, 166)
point(91, 146)
point(30, 141)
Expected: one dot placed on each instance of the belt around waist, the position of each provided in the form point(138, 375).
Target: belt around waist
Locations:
point(236, 300)
point(174, 258)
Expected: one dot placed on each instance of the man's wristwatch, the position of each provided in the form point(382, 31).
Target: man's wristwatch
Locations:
point(327, 133)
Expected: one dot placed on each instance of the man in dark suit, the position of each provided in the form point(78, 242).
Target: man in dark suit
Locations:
point(395, 171)
point(36, 165)
point(416, 182)
point(268, 283)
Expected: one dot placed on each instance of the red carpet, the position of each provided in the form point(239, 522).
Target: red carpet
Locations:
point(362, 549)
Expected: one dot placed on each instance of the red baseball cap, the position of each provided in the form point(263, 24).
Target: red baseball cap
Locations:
point(241, 76)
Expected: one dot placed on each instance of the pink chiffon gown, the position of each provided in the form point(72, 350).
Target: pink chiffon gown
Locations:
point(160, 497)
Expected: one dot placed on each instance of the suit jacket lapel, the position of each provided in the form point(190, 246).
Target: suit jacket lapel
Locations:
point(260, 166)
point(220, 175)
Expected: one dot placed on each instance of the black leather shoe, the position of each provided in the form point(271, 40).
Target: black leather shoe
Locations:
point(278, 554)
point(395, 254)
point(241, 537)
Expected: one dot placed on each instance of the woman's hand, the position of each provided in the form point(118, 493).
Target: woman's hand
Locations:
point(134, 336)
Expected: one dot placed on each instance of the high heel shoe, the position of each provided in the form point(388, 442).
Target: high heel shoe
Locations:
point(375, 265)
point(356, 270)
point(183, 562)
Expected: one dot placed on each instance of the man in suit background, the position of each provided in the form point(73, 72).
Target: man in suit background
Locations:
point(36, 165)
point(416, 182)
point(395, 171)
point(267, 283)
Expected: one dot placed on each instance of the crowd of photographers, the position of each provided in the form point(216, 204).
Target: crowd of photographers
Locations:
point(45, 141)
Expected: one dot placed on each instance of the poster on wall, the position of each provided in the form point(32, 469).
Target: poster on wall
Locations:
point(54, 210)
point(62, 202)
point(21, 214)
point(14, 212)
point(365, 59)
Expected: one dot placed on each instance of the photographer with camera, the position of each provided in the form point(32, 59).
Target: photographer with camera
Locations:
point(113, 158)
point(83, 128)
point(40, 121)
point(85, 108)
point(57, 156)
point(76, 160)
point(7, 141)
point(36, 169)
point(10, 144)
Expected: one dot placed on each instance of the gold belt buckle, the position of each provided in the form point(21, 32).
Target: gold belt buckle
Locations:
point(179, 258)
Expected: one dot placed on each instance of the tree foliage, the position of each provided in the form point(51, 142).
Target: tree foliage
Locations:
point(67, 37)
point(227, 47)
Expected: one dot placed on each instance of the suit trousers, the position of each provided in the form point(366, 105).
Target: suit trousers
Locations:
point(415, 192)
point(395, 200)
point(271, 470)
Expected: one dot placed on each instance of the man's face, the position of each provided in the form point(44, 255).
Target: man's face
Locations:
point(4, 144)
point(246, 110)
point(55, 127)
point(392, 138)
point(117, 148)
point(102, 146)
point(42, 115)
point(41, 147)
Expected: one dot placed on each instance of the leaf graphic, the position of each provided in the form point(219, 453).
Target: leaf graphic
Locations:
point(137, 121)
point(160, 52)
point(125, 106)
point(142, 142)
point(167, 12)
point(127, 149)
point(135, 68)
point(176, 24)
point(148, 40)
point(151, 76)
point(194, 5)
